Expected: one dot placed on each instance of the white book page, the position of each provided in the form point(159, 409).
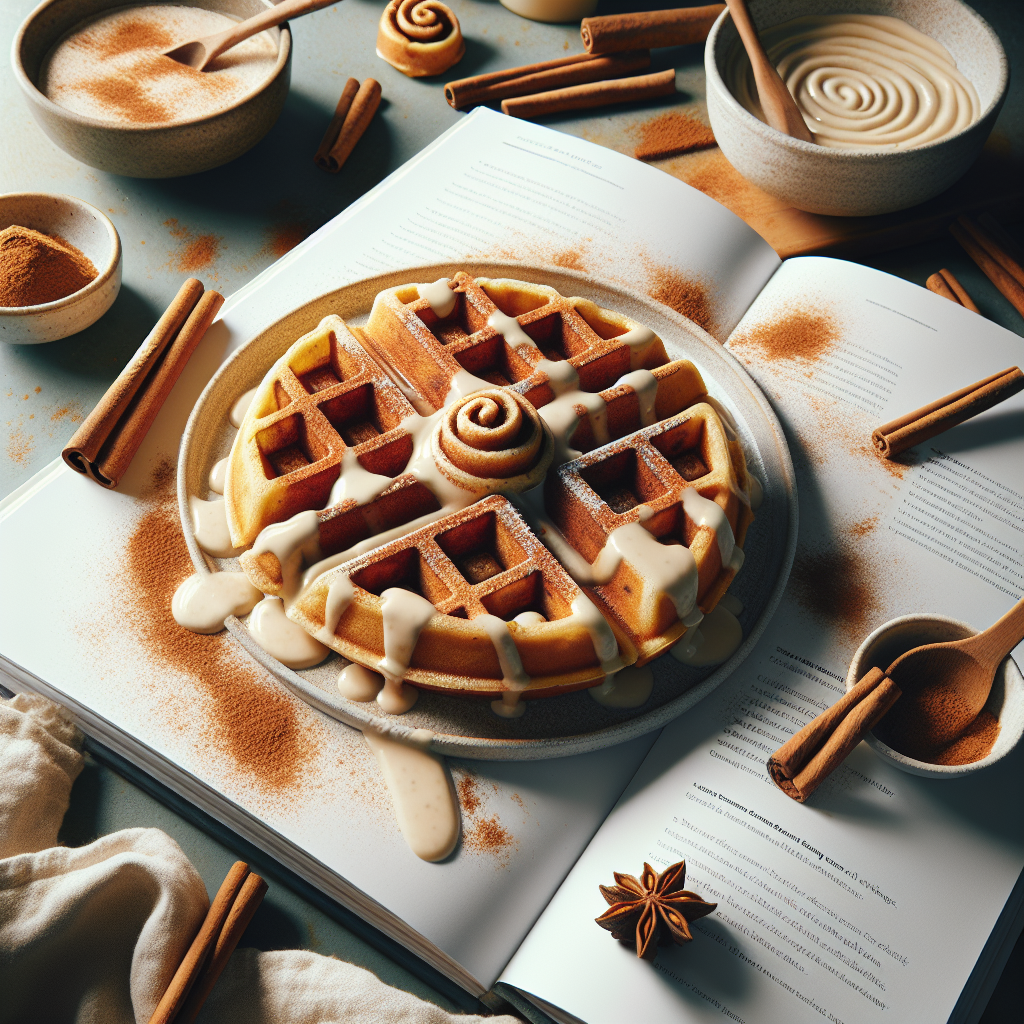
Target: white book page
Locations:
point(497, 187)
point(841, 909)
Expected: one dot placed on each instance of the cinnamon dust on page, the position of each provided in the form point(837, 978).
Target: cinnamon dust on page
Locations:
point(248, 718)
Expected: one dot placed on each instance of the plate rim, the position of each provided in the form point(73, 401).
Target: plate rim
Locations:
point(505, 748)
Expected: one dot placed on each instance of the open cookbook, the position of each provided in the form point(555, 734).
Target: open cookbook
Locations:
point(886, 897)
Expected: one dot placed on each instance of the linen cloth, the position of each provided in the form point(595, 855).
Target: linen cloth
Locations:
point(93, 935)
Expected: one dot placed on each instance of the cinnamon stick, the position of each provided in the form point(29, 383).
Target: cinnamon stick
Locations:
point(356, 121)
point(552, 74)
point(800, 765)
point(991, 242)
point(649, 29)
point(998, 266)
point(348, 94)
point(900, 434)
point(594, 94)
point(944, 283)
point(249, 897)
point(105, 443)
point(204, 942)
point(1002, 238)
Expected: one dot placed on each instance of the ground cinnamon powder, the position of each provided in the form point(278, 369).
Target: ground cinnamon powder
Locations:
point(838, 585)
point(37, 268)
point(248, 717)
point(671, 134)
point(691, 298)
point(794, 333)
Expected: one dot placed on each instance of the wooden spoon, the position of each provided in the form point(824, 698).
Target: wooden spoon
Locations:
point(198, 53)
point(945, 686)
point(776, 100)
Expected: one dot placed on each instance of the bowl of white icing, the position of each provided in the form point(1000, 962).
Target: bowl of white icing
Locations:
point(900, 96)
point(95, 79)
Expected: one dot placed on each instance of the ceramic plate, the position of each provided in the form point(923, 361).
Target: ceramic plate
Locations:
point(556, 726)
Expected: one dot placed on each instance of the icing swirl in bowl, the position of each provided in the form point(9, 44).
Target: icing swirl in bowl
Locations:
point(420, 37)
point(864, 80)
point(493, 440)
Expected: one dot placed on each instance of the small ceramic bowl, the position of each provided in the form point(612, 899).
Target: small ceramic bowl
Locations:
point(857, 182)
point(88, 230)
point(147, 151)
point(1006, 700)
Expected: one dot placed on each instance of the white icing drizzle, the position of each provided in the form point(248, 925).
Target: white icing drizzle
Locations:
point(439, 295)
point(628, 688)
point(218, 475)
point(645, 384)
point(529, 618)
point(756, 494)
point(463, 383)
point(241, 407)
point(562, 419)
point(639, 340)
point(404, 614)
point(210, 527)
point(293, 542)
point(720, 635)
point(731, 604)
point(606, 647)
point(668, 568)
point(356, 482)
point(339, 596)
point(514, 677)
point(283, 639)
point(358, 683)
point(205, 600)
point(508, 327)
point(705, 512)
point(422, 793)
point(562, 375)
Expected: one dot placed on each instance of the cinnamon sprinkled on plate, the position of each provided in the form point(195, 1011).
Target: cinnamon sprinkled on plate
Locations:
point(691, 298)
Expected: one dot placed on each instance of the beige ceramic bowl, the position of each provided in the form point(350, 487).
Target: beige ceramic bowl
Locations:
point(1006, 700)
point(857, 182)
point(147, 151)
point(85, 228)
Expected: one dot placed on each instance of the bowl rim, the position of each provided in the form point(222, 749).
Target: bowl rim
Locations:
point(904, 761)
point(284, 53)
point(104, 275)
point(769, 134)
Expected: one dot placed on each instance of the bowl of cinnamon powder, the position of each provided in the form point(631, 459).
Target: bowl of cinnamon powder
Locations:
point(98, 84)
point(983, 740)
point(60, 266)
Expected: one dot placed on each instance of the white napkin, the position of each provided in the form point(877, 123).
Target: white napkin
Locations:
point(93, 935)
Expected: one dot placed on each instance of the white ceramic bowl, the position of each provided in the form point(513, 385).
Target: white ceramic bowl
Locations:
point(151, 150)
point(1006, 700)
point(85, 228)
point(857, 182)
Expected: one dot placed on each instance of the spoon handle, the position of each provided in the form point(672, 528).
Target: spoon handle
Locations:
point(777, 102)
point(258, 22)
point(996, 642)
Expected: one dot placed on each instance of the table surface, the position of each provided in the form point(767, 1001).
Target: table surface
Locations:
point(228, 224)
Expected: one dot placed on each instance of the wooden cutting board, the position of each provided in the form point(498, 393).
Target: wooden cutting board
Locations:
point(995, 183)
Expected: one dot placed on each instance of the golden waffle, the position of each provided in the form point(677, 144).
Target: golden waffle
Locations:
point(600, 345)
point(647, 482)
point(482, 561)
point(323, 397)
point(326, 418)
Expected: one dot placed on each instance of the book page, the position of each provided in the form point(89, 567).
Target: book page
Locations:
point(500, 188)
point(840, 909)
point(90, 621)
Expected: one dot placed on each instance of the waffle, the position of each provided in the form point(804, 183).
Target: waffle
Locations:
point(429, 350)
point(344, 492)
point(660, 480)
point(481, 562)
point(324, 397)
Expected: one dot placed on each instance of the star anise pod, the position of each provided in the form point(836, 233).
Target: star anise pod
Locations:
point(653, 910)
